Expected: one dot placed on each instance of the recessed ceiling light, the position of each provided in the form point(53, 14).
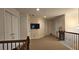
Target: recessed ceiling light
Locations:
point(44, 16)
point(37, 9)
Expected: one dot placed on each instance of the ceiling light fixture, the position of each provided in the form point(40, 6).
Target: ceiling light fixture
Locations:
point(44, 16)
point(37, 9)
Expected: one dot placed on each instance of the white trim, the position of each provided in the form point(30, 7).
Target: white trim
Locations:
point(66, 45)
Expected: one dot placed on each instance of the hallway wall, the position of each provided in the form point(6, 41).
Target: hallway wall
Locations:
point(71, 19)
point(38, 33)
point(49, 27)
point(58, 21)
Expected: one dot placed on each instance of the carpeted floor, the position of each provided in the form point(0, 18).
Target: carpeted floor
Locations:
point(47, 43)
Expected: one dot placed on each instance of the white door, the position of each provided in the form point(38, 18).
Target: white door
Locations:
point(11, 27)
point(8, 25)
point(15, 27)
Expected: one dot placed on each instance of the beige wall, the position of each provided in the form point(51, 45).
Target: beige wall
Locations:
point(71, 19)
point(57, 22)
point(38, 33)
point(49, 27)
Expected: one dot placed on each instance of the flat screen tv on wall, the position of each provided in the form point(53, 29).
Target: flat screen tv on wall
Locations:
point(35, 26)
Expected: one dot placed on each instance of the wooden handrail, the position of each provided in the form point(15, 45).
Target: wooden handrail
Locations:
point(62, 34)
point(13, 41)
point(69, 32)
point(72, 33)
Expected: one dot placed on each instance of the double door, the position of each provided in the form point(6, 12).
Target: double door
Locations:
point(11, 26)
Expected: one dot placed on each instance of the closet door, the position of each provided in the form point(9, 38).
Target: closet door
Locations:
point(15, 27)
point(8, 25)
point(11, 27)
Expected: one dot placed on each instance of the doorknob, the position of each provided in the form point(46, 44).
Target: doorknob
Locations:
point(12, 34)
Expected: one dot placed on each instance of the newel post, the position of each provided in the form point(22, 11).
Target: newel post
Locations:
point(28, 43)
point(61, 35)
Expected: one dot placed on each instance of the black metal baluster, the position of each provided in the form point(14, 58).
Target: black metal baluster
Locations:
point(3, 46)
point(7, 46)
point(19, 45)
point(11, 45)
point(15, 44)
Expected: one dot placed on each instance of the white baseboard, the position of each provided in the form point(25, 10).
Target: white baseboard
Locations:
point(66, 45)
point(39, 37)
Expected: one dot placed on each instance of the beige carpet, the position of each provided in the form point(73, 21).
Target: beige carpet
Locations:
point(47, 43)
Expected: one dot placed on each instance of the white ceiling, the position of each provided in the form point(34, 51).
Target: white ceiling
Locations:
point(49, 12)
